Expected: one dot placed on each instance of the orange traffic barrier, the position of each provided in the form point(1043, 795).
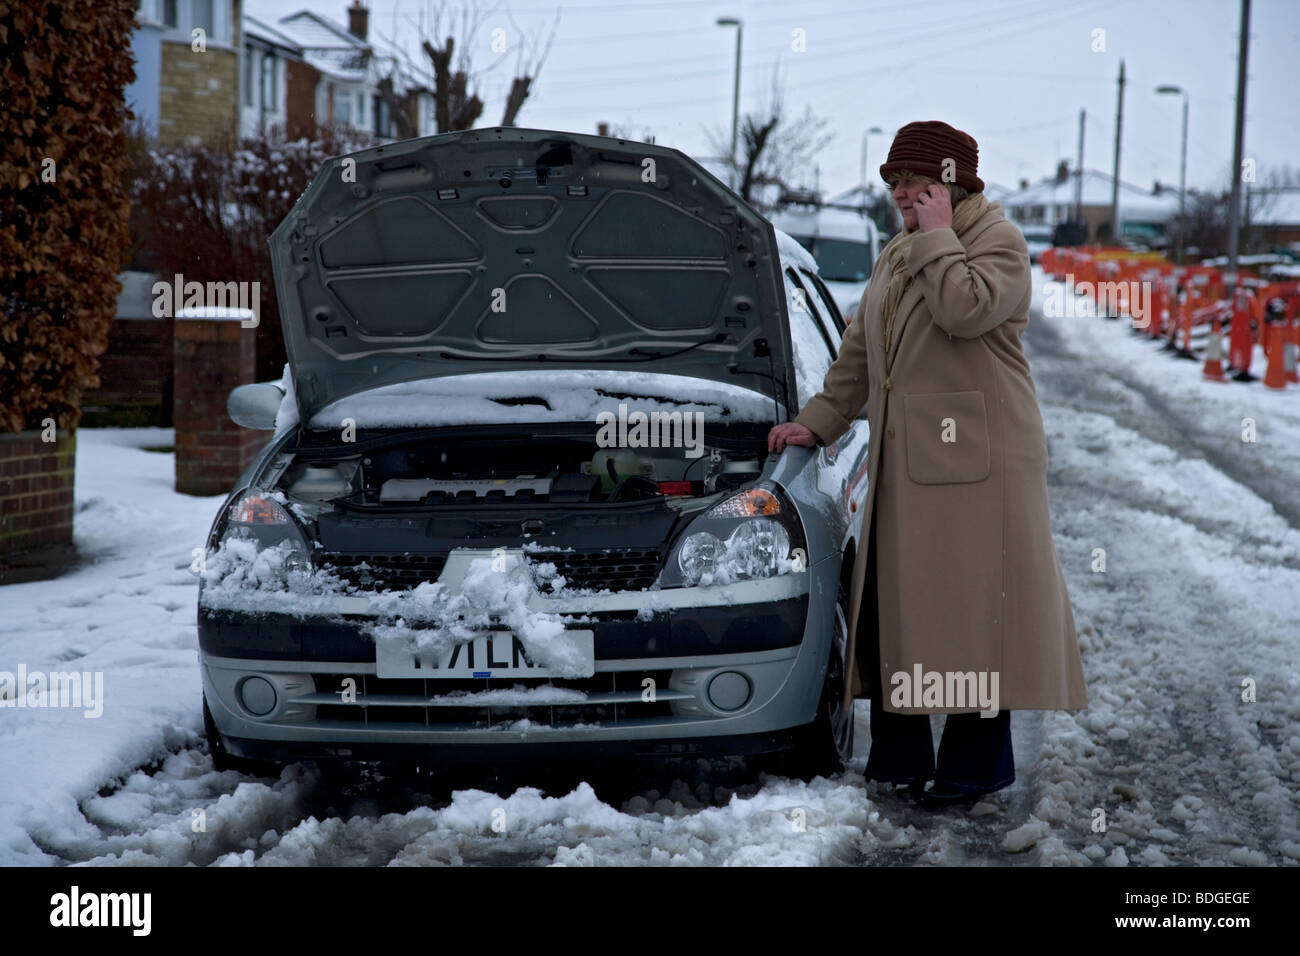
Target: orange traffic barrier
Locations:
point(1158, 301)
point(1241, 345)
point(1275, 376)
point(1291, 355)
point(1186, 351)
point(1213, 369)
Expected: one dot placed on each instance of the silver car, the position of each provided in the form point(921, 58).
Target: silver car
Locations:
point(519, 500)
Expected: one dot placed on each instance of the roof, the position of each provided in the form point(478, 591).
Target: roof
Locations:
point(328, 46)
point(334, 50)
point(830, 223)
point(255, 28)
point(135, 301)
point(1278, 207)
point(1134, 202)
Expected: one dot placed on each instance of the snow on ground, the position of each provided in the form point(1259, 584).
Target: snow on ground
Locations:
point(128, 611)
point(1146, 461)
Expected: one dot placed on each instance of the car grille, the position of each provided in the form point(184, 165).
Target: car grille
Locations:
point(381, 572)
point(611, 697)
point(624, 569)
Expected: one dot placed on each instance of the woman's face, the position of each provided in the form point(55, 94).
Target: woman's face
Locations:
point(904, 195)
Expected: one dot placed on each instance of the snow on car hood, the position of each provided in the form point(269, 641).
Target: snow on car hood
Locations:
point(489, 398)
point(507, 249)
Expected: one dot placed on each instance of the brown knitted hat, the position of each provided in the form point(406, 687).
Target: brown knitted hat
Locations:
point(923, 147)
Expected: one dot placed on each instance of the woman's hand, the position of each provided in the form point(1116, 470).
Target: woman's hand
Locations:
point(933, 208)
point(791, 433)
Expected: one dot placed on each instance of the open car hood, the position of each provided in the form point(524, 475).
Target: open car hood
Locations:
point(514, 248)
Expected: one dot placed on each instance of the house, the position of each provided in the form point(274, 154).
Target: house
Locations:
point(1273, 214)
point(143, 94)
point(268, 55)
point(187, 61)
point(335, 78)
point(1143, 213)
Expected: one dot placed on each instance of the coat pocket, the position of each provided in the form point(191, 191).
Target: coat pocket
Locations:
point(947, 437)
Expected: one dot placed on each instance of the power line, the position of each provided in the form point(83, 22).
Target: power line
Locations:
point(925, 33)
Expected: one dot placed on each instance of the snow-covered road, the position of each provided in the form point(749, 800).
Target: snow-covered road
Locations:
point(1202, 569)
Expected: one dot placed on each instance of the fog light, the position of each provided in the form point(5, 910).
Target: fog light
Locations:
point(729, 690)
point(257, 694)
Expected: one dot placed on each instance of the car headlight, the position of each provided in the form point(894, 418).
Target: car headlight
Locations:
point(257, 522)
point(753, 534)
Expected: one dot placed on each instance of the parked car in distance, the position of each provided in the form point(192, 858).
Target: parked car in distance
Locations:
point(519, 500)
point(845, 244)
point(1038, 239)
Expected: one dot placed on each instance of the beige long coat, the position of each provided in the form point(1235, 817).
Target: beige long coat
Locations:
point(968, 576)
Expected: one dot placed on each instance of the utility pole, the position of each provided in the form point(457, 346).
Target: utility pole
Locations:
point(735, 94)
point(1078, 173)
point(1114, 188)
point(1234, 216)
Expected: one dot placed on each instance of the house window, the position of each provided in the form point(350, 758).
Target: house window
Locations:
point(342, 107)
point(268, 83)
point(203, 16)
point(361, 109)
point(249, 56)
point(169, 17)
point(383, 119)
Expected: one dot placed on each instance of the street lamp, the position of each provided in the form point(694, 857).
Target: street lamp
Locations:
point(735, 94)
point(862, 177)
point(1182, 175)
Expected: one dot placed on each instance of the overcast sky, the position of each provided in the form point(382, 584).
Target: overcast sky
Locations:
point(1012, 73)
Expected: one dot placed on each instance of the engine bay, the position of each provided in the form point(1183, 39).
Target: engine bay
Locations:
point(486, 468)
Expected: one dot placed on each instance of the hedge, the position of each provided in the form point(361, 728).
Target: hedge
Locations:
point(63, 206)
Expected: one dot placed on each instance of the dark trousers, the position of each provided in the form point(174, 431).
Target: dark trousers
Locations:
point(974, 752)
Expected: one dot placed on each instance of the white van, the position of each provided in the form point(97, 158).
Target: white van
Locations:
point(845, 244)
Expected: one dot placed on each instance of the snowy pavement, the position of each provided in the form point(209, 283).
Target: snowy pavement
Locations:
point(1202, 568)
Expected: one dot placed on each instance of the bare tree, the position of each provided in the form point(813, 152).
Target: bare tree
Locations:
point(531, 55)
point(777, 147)
point(449, 75)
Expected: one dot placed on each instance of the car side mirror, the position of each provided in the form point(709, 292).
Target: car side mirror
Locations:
point(256, 405)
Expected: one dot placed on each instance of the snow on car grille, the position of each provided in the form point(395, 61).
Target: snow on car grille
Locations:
point(607, 697)
point(379, 572)
point(625, 569)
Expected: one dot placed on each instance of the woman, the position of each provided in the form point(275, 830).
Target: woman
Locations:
point(962, 585)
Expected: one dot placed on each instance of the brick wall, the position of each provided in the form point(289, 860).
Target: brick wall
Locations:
point(300, 98)
point(36, 482)
point(135, 377)
point(198, 97)
point(211, 356)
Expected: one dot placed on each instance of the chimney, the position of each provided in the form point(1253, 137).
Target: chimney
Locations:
point(358, 19)
point(1024, 184)
point(602, 129)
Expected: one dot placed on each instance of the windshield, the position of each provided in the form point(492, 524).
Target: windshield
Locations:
point(839, 260)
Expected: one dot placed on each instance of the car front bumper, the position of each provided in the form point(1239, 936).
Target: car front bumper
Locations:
point(709, 670)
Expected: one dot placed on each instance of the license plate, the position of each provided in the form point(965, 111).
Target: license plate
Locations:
point(492, 654)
